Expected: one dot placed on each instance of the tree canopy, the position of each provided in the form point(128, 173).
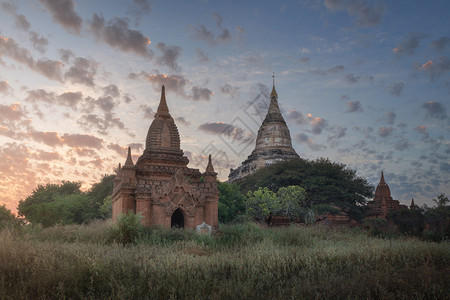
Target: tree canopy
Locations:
point(231, 201)
point(65, 203)
point(324, 182)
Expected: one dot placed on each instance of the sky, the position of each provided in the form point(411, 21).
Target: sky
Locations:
point(363, 83)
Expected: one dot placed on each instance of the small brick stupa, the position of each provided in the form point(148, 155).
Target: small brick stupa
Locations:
point(273, 143)
point(383, 203)
point(160, 186)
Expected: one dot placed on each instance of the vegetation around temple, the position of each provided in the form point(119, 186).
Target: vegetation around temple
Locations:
point(240, 262)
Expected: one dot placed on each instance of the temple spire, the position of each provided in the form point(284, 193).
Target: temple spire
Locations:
point(412, 203)
point(209, 167)
point(129, 161)
point(382, 178)
point(163, 108)
point(274, 92)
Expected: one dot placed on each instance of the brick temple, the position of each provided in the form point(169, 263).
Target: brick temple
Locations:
point(273, 143)
point(383, 203)
point(160, 186)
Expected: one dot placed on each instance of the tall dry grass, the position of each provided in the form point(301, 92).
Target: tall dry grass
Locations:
point(243, 261)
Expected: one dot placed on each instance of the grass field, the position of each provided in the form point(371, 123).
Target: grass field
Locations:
point(240, 262)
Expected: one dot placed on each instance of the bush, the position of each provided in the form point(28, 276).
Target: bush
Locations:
point(128, 227)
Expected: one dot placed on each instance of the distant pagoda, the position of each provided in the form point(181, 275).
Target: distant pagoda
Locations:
point(383, 203)
point(273, 143)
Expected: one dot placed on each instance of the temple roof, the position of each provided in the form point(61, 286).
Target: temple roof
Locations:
point(129, 161)
point(209, 167)
point(382, 190)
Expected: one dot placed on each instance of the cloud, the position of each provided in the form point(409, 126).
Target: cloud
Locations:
point(390, 117)
point(45, 156)
point(10, 114)
point(49, 68)
point(385, 131)
point(82, 141)
point(409, 44)
point(117, 34)
point(224, 129)
point(440, 44)
point(102, 124)
point(333, 70)
point(317, 123)
point(199, 93)
point(435, 110)
point(395, 88)
point(366, 13)
point(203, 33)
point(304, 60)
point(63, 12)
point(295, 116)
point(82, 71)
point(202, 57)
point(111, 90)
point(339, 132)
point(229, 90)
point(354, 106)
point(5, 87)
point(437, 67)
point(49, 138)
point(39, 43)
point(402, 145)
point(173, 83)
point(66, 55)
point(302, 138)
point(148, 111)
point(169, 55)
point(352, 79)
point(122, 151)
point(143, 5)
point(182, 121)
point(69, 99)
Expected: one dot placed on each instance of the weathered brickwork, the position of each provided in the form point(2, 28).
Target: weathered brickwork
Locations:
point(160, 186)
point(383, 203)
point(273, 143)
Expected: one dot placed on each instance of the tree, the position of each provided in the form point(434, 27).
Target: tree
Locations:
point(324, 182)
point(231, 201)
point(288, 202)
point(408, 221)
point(438, 218)
point(99, 192)
point(7, 218)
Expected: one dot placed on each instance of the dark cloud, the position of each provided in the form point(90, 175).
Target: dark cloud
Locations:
point(5, 87)
point(435, 110)
point(66, 55)
point(169, 56)
point(202, 57)
point(302, 138)
point(82, 71)
point(366, 13)
point(199, 93)
point(39, 43)
point(101, 124)
point(390, 117)
point(395, 88)
point(385, 131)
point(147, 110)
point(70, 99)
point(235, 133)
point(10, 114)
point(173, 83)
point(49, 68)
point(402, 145)
point(423, 131)
point(354, 106)
point(22, 22)
point(111, 90)
point(339, 132)
point(332, 70)
point(295, 116)
point(229, 90)
point(182, 121)
point(45, 156)
point(122, 151)
point(352, 79)
point(317, 123)
point(106, 103)
point(436, 68)
point(204, 34)
point(63, 12)
point(143, 5)
point(440, 44)
point(409, 44)
point(82, 141)
point(117, 34)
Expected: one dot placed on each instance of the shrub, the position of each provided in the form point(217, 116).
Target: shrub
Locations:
point(128, 227)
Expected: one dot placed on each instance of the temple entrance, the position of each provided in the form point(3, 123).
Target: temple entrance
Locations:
point(177, 220)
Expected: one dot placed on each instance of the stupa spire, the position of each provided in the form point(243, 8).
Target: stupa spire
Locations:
point(382, 178)
point(129, 161)
point(274, 92)
point(209, 167)
point(163, 108)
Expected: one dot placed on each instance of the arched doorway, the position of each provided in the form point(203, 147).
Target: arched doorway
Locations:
point(177, 219)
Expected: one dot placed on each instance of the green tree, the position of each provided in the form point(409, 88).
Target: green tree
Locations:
point(261, 203)
point(324, 182)
point(7, 218)
point(438, 218)
point(231, 201)
point(37, 207)
point(99, 192)
point(408, 221)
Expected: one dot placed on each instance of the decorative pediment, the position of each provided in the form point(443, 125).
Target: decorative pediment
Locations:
point(178, 181)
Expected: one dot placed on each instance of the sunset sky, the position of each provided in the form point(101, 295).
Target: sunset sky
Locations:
point(364, 83)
